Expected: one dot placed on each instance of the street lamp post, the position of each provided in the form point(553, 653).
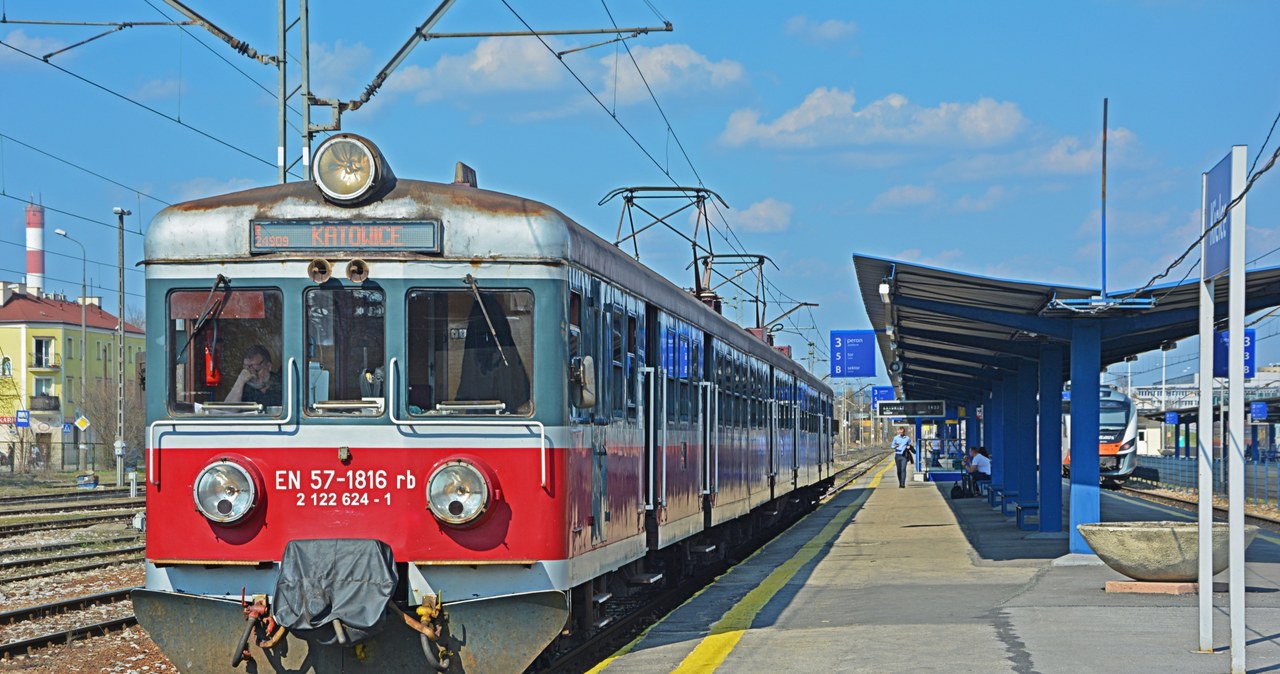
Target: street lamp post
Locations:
point(1164, 349)
point(84, 343)
point(119, 445)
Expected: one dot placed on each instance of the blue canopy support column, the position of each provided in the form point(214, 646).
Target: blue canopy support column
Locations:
point(1010, 451)
point(918, 440)
point(1050, 415)
point(1086, 364)
point(1025, 436)
point(997, 414)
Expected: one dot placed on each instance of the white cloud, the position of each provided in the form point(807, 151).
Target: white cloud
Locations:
point(903, 196)
point(199, 188)
point(1067, 155)
point(828, 117)
point(819, 31)
point(158, 89)
point(495, 65)
point(769, 215)
point(37, 46)
point(987, 201)
point(341, 66)
point(669, 67)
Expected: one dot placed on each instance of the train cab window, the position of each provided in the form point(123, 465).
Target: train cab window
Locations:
point(346, 351)
point(618, 381)
point(225, 352)
point(467, 356)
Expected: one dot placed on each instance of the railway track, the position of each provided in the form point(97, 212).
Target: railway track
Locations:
point(54, 559)
point(64, 497)
point(63, 608)
point(1191, 506)
point(50, 547)
point(639, 611)
point(45, 508)
point(61, 523)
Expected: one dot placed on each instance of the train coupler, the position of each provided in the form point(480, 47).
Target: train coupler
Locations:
point(430, 625)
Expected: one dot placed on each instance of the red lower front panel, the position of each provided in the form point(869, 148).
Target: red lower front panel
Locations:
point(378, 493)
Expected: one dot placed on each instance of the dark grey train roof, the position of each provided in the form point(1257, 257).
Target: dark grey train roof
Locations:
point(477, 225)
point(954, 332)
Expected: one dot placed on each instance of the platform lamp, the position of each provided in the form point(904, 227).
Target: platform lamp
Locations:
point(84, 343)
point(1128, 375)
point(119, 444)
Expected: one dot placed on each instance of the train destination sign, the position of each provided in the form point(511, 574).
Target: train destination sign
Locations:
point(912, 409)
point(269, 236)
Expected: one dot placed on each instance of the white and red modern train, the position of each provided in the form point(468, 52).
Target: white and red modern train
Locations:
point(396, 425)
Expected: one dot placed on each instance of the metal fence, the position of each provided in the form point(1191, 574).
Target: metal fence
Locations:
point(1182, 474)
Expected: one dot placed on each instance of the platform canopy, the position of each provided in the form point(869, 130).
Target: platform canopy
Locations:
point(946, 335)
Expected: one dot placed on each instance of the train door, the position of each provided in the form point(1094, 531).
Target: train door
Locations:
point(773, 438)
point(654, 387)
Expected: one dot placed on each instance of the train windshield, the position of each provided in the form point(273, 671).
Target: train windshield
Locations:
point(346, 349)
point(1113, 414)
point(225, 356)
point(470, 352)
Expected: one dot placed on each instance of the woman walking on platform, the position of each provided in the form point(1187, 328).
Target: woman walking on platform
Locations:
point(902, 449)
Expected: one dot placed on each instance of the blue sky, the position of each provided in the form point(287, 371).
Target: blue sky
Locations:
point(962, 135)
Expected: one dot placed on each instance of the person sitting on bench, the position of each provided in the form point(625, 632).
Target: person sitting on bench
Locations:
point(978, 468)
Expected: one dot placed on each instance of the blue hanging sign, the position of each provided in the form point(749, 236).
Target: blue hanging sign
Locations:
point(1220, 343)
point(1171, 418)
point(22, 419)
point(879, 393)
point(1258, 411)
point(853, 353)
point(1217, 245)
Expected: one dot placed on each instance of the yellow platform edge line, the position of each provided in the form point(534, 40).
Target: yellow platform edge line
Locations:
point(726, 632)
point(604, 664)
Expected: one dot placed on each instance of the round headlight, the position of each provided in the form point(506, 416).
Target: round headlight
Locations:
point(224, 492)
point(457, 493)
point(346, 168)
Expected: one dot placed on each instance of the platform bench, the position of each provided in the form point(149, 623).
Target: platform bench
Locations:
point(1024, 509)
point(1006, 500)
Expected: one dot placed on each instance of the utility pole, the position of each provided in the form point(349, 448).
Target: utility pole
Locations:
point(119, 445)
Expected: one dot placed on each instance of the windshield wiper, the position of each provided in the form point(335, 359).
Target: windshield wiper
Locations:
point(475, 290)
point(212, 310)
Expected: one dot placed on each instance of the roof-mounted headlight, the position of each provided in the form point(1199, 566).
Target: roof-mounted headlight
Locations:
point(457, 492)
point(225, 492)
point(348, 169)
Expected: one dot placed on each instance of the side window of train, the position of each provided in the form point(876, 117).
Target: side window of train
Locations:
point(634, 363)
point(618, 373)
point(226, 352)
point(469, 356)
point(346, 351)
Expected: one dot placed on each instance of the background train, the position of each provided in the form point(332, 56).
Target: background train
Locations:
point(412, 421)
point(1117, 436)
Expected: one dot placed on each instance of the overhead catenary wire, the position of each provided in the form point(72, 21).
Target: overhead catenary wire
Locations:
point(144, 106)
point(74, 165)
point(47, 207)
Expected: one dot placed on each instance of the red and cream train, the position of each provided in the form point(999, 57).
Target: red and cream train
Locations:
point(471, 420)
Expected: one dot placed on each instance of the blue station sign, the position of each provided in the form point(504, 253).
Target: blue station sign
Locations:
point(1217, 245)
point(22, 419)
point(1171, 418)
point(1220, 343)
point(880, 393)
point(1258, 411)
point(853, 353)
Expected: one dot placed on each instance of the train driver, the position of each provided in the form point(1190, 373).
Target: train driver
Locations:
point(257, 382)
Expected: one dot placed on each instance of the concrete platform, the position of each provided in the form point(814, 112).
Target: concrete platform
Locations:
point(883, 579)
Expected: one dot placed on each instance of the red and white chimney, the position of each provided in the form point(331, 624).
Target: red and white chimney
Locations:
point(35, 249)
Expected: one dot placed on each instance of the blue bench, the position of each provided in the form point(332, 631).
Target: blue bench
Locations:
point(1025, 509)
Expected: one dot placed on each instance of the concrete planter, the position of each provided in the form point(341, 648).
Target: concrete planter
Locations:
point(1158, 551)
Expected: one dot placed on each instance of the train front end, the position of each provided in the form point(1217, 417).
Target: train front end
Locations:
point(352, 411)
point(1117, 437)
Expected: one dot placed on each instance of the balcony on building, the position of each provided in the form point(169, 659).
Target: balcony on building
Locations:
point(45, 404)
point(41, 361)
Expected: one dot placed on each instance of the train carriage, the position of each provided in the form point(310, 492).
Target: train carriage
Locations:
point(393, 422)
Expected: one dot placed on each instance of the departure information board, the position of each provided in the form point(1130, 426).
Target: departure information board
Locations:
point(270, 236)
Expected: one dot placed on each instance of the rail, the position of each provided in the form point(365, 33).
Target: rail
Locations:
point(393, 405)
point(1181, 475)
point(153, 448)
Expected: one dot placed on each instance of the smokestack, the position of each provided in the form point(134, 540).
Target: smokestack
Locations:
point(35, 249)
